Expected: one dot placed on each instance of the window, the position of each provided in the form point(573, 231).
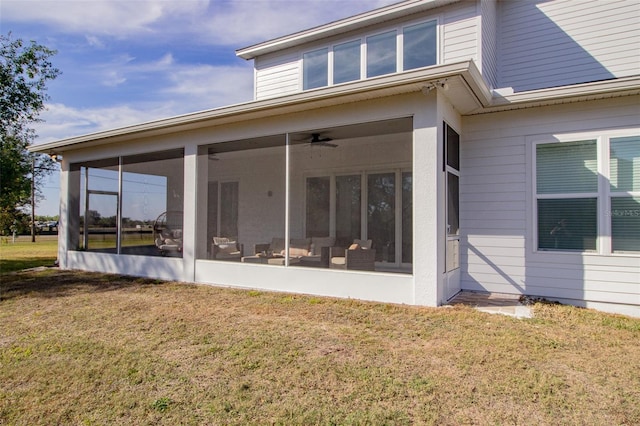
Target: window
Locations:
point(419, 45)
point(401, 49)
point(346, 62)
point(315, 69)
point(387, 218)
point(318, 205)
point(381, 54)
point(567, 188)
point(348, 207)
point(624, 166)
point(381, 214)
point(587, 204)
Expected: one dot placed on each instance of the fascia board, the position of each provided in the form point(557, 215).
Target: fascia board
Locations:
point(624, 86)
point(411, 81)
point(362, 20)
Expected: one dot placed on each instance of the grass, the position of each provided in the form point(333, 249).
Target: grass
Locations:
point(24, 254)
point(82, 348)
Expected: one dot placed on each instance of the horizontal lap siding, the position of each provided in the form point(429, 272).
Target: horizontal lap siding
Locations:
point(497, 252)
point(489, 54)
point(548, 44)
point(460, 33)
point(277, 76)
point(279, 73)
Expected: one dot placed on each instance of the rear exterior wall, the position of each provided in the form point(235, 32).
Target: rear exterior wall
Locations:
point(497, 208)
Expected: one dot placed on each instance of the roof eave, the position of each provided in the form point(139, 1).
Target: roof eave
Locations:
point(382, 14)
point(623, 86)
point(412, 81)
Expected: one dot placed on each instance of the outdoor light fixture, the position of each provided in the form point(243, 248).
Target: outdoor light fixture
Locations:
point(438, 84)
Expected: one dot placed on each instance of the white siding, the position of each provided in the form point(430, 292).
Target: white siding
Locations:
point(548, 44)
point(488, 48)
point(497, 252)
point(460, 33)
point(277, 75)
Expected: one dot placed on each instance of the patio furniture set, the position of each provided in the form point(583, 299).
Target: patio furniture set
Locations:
point(320, 252)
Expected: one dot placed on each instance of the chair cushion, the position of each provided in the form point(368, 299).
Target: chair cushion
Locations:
point(228, 248)
point(354, 246)
point(338, 260)
point(365, 244)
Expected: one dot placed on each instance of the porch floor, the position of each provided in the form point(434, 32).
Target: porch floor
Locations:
point(493, 303)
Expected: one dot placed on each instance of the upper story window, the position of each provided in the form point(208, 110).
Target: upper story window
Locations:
point(315, 65)
point(381, 54)
point(346, 62)
point(410, 47)
point(419, 45)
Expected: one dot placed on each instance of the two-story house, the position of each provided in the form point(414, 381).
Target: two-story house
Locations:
point(401, 155)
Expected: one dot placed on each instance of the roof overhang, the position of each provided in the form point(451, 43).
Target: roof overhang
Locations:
point(342, 26)
point(464, 87)
point(604, 89)
point(461, 83)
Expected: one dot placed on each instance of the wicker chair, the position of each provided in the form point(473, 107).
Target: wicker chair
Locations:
point(224, 248)
point(357, 257)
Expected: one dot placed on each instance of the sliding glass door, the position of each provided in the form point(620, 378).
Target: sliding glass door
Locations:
point(381, 215)
point(334, 207)
point(348, 207)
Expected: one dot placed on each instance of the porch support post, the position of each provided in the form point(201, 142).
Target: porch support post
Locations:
point(189, 215)
point(68, 224)
point(428, 198)
point(287, 199)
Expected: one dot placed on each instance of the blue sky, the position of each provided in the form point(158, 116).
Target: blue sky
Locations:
point(130, 61)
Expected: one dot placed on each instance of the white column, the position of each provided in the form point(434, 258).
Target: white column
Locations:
point(69, 188)
point(428, 197)
point(189, 234)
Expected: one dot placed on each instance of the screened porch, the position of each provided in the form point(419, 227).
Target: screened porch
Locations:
point(338, 198)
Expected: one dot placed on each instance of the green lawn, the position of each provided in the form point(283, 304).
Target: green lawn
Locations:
point(24, 254)
point(81, 348)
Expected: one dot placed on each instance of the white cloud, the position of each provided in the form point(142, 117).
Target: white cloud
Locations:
point(191, 88)
point(229, 22)
point(61, 121)
point(118, 18)
point(207, 85)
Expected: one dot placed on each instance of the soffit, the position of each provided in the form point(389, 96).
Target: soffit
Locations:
point(352, 23)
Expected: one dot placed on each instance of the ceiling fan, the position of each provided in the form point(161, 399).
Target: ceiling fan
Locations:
point(316, 140)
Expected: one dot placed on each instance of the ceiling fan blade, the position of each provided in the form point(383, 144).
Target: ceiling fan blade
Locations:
point(327, 144)
point(315, 138)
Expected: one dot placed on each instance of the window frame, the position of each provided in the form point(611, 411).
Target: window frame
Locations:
point(325, 51)
point(399, 37)
point(398, 171)
point(603, 194)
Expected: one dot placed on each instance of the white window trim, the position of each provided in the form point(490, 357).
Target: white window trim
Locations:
point(399, 29)
point(603, 195)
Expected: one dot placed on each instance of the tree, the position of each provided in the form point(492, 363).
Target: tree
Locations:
point(25, 70)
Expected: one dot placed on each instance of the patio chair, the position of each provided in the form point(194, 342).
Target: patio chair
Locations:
point(225, 248)
point(167, 233)
point(358, 256)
